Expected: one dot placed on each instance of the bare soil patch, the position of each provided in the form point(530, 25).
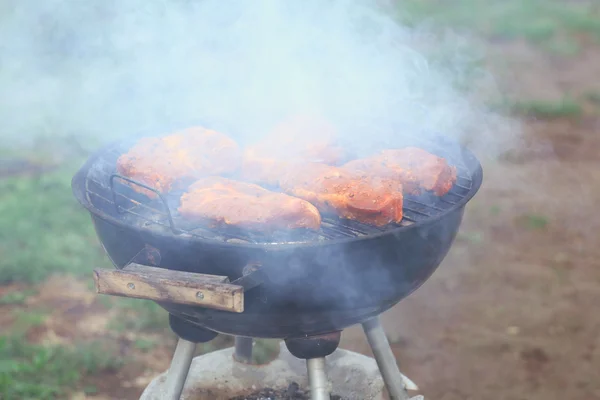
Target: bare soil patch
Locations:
point(512, 311)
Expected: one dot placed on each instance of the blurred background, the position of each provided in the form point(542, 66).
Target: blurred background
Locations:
point(510, 314)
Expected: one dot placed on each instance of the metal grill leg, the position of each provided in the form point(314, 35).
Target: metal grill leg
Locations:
point(317, 379)
point(385, 359)
point(180, 366)
point(243, 349)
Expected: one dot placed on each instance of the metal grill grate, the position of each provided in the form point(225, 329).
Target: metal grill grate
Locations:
point(109, 192)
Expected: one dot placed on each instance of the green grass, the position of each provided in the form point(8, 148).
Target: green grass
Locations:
point(43, 230)
point(471, 237)
point(218, 343)
point(534, 221)
point(562, 46)
point(555, 24)
point(38, 372)
point(593, 97)
point(144, 344)
point(265, 350)
point(138, 315)
point(548, 109)
point(16, 297)
point(27, 319)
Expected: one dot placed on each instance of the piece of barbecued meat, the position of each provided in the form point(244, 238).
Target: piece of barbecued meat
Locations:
point(168, 162)
point(338, 191)
point(417, 169)
point(217, 202)
point(262, 169)
point(299, 138)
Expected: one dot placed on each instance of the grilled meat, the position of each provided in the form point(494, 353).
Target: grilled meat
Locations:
point(417, 169)
point(260, 168)
point(341, 192)
point(168, 162)
point(217, 201)
point(296, 139)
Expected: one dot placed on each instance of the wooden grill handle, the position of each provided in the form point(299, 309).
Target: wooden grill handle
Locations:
point(168, 286)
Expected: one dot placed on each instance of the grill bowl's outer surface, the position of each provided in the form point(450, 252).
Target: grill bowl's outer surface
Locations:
point(310, 287)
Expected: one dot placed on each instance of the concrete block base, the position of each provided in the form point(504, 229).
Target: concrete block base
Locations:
point(216, 376)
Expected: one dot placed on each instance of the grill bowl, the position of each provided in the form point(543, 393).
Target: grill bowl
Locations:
point(313, 285)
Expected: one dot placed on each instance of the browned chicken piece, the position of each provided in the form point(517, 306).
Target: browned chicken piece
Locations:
point(338, 191)
point(217, 201)
point(417, 169)
point(169, 162)
point(296, 139)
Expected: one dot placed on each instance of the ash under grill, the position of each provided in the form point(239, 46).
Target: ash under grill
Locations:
point(110, 193)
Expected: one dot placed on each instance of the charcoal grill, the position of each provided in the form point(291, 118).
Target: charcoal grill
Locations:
point(297, 287)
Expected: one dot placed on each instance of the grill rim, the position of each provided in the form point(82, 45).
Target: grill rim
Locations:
point(471, 163)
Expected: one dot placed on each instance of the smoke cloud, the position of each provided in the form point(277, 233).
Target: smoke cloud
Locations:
point(105, 70)
point(113, 68)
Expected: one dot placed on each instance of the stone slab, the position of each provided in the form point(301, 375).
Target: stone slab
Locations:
point(216, 376)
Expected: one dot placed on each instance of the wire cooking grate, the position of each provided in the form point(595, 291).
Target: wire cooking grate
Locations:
point(107, 191)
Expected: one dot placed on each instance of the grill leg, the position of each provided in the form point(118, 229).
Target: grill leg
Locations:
point(314, 349)
point(189, 335)
point(180, 365)
point(243, 349)
point(317, 379)
point(385, 359)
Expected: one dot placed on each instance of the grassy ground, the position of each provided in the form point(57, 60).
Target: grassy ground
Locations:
point(556, 26)
point(42, 232)
point(58, 339)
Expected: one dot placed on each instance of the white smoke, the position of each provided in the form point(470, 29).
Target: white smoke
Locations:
point(112, 68)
